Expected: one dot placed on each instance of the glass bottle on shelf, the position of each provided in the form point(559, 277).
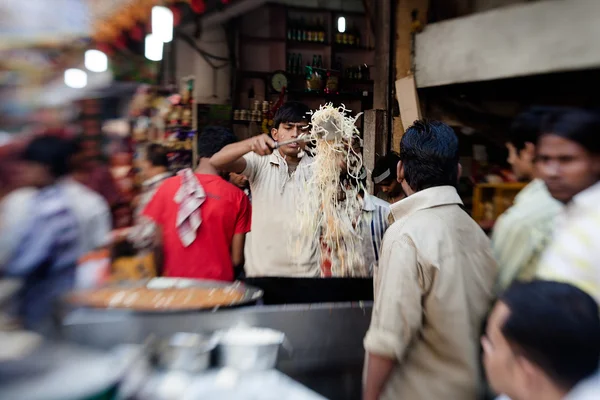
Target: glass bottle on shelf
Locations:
point(321, 31)
point(357, 37)
point(291, 34)
point(339, 38)
point(303, 30)
point(320, 62)
point(314, 61)
point(312, 31)
point(351, 36)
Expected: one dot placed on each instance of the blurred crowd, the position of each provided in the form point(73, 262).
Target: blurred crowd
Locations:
point(534, 287)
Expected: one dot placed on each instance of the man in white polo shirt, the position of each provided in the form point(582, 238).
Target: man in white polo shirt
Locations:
point(277, 180)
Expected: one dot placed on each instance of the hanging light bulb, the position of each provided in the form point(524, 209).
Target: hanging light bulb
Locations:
point(153, 48)
point(341, 24)
point(75, 78)
point(162, 23)
point(96, 61)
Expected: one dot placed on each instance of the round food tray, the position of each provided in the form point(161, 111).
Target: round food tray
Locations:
point(247, 294)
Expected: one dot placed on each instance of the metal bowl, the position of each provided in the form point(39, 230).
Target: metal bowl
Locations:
point(188, 352)
point(250, 294)
point(249, 349)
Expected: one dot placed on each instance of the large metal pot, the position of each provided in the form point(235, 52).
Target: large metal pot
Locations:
point(249, 349)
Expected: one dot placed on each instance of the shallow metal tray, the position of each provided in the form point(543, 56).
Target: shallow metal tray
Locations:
point(251, 294)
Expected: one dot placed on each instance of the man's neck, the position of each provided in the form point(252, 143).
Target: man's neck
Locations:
point(546, 392)
point(158, 171)
point(290, 160)
point(205, 167)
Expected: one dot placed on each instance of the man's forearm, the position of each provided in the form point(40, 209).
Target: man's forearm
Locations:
point(230, 158)
point(378, 371)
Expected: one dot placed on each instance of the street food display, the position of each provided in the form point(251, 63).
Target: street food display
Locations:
point(146, 299)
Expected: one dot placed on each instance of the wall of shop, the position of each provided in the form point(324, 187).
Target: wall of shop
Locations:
point(525, 39)
point(212, 86)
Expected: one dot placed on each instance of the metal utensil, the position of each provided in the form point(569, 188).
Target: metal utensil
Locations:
point(301, 139)
point(326, 131)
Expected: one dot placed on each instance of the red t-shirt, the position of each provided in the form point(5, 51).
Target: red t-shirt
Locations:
point(225, 212)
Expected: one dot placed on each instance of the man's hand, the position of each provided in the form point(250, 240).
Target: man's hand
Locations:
point(262, 145)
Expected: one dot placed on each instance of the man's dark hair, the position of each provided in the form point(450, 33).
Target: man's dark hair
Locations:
point(292, 111)
point(213, 139)
point(385, 168)
point(579, 126)
point(157, 155)
point(51, 151)
point(429, 154)
point(526, 126)
point(555, 326)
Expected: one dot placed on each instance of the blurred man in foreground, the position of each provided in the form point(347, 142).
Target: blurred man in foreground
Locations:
point(541, 341)
point(434, 283)
point(523, 231)
point(47, 246)
point(568, 160)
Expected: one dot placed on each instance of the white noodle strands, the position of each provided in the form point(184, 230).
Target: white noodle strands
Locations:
point(330, 210)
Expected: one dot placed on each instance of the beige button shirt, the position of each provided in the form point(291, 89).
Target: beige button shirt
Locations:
point(433, 288)
point(276, 247)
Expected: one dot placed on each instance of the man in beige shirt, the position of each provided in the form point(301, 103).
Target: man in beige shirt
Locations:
point(434, 283)
point(276, 246)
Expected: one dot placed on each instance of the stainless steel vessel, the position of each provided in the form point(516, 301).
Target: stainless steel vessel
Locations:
point(184, 351)
point(249, 348)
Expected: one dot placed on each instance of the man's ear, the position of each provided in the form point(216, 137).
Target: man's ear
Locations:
point(530, 150)
point(531, 375)
point(459, 172)
point(274, 133)
point(400, 171)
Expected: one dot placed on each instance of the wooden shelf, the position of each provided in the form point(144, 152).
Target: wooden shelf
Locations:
point(255, 74)
point(263, 39)
point(348, 81)
point(329, 96)
point(490, 200)
point(294, 44)
point(243, 122)
point(346, 48)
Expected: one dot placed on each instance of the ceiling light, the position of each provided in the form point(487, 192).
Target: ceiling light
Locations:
point(341, 24)
point(75, 78)
point(153, 48)
point(96, 61)
point(162, 23)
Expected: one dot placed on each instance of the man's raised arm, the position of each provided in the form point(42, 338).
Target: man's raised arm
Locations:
point(231, 157)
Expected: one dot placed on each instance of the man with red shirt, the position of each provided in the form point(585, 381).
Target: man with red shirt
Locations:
point(202, 218)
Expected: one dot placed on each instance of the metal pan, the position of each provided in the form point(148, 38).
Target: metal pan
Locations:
point(250, 294)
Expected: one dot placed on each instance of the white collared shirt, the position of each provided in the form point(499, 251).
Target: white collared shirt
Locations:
point(573, 256)
point(276, 245)
point(522, 233)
